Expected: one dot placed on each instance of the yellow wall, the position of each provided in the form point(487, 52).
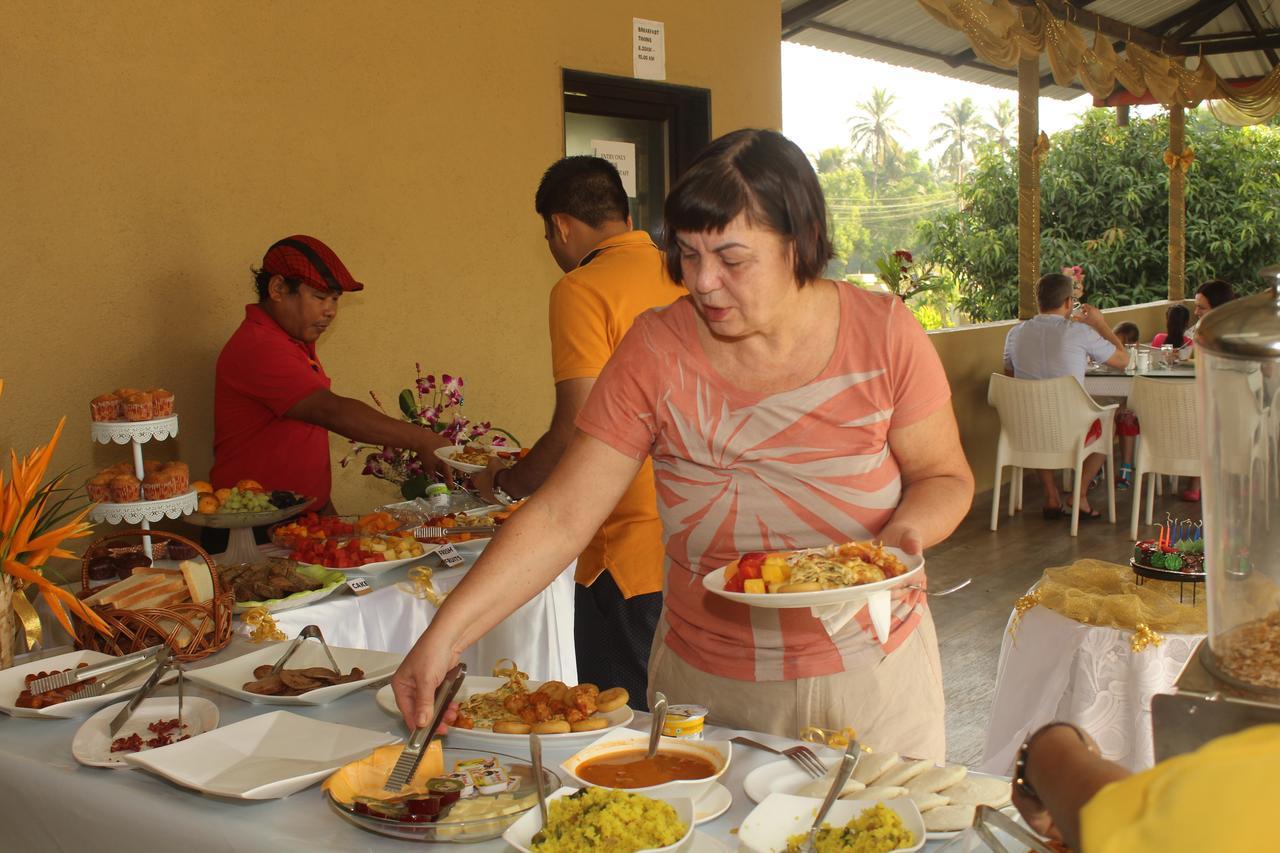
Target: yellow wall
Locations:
point(971, 354)
point(154, 149)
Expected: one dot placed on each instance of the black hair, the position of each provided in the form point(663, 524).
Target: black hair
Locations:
point(759, 173)
point(1175, 325)
point(1127, 332)
point(584, 187)
point(1053, 289)
point(262, 282)
point(1216, 292)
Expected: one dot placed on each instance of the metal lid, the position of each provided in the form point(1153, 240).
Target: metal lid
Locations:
point(1248, 327)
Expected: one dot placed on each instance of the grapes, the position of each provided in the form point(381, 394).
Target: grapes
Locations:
point(244, 501)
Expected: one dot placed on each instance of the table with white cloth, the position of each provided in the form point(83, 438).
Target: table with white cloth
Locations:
point(1055, 668)
point(390, 619)
point(49, 802)
point(1109, 382)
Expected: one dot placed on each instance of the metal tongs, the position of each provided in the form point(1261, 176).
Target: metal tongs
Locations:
point(984, 819)
point(434, 532)
point(163, 663)
point(131, 663)
point(416, 746)
point(309, 632)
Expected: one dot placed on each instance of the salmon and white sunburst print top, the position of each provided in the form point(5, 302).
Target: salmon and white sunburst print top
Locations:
point(739, 472)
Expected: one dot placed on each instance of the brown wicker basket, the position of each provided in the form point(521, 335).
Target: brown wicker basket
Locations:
point(191, 630)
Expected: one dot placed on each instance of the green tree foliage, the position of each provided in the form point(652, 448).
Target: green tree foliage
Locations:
point(958, 133)
point(1104, 205)
point(871, 133)
point(1001, 125)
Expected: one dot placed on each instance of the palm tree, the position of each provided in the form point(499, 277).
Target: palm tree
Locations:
point(831, 160)
point(871, 131)
point(1003, 124)
point(958, 131)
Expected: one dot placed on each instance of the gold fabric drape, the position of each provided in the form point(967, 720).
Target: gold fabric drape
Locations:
point(1099, 593)
point(1001, 36)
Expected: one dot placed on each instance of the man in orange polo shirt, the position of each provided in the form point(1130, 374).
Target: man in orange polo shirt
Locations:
point(272, 407)
point(612, 274)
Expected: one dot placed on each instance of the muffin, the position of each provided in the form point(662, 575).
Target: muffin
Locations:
point(125, 488)
point(102, 568)
point(119, 468)
point(127, 562)
point(99, 488)
point(107, 407)
point(180, 474)
point(126, 392)
point(157, 487)
point(137, 407)
point(161, 403)
point(151, 466)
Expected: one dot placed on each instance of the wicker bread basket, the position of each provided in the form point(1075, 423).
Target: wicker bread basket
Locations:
point(191, 630)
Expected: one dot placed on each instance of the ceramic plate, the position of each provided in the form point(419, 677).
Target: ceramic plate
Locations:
point(781, 816)
point(446, 455)
point(493, 740)
point(92, 743)
point(12, 683)
point(230, 676)
point(714, 582)
point(262, 758)
point(520, 834)
point(331, 578)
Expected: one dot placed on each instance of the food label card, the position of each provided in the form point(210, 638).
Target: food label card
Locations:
point(359, 586)
point(452, 559)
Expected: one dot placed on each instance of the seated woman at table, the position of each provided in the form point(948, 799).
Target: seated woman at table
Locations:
point(1216, 798)
point(781, 410)
point(1176, 320)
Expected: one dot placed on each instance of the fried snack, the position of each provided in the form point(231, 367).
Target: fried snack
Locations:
point(554, 689)
point(612, 699)
point(295, 682)
point(506, 728)
point(590, 724)
point(552, 727)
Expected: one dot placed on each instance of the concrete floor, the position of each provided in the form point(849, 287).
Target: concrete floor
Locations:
point(1003, 565)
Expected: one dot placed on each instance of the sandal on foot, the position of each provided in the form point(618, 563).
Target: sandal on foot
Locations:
point(1052, 513)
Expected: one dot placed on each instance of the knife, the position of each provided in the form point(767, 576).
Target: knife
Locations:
point(75, 676)
point(162, 666)
point(416, 747)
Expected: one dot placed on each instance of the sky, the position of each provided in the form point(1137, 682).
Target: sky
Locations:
point(821, 89)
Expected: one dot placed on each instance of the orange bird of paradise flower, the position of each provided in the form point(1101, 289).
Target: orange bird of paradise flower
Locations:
point(33, 527)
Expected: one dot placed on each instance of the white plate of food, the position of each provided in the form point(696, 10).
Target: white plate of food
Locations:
point(154, 724)
point(520, 834)
point(782, 816)
point(262, 758)
point(325, 581)
point(471, 458)
point(462, 525)
point(481, 693)
point(887, 777)
point(13, 682)
point(232, 677)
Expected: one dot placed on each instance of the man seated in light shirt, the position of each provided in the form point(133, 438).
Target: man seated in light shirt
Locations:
point(1056, 343)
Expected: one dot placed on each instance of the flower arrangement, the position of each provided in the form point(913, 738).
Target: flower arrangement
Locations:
point(36, 518)
point(905, 277)
point(1076, 273)
point(435, 405)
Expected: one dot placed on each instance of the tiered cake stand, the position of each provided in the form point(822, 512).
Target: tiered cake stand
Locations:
point(140, 513)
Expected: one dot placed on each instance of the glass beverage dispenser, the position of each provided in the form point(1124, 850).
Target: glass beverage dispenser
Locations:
point(1238, 376)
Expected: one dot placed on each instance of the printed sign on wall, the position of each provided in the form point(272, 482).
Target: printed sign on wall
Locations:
point(650, 49)
point(622, 155)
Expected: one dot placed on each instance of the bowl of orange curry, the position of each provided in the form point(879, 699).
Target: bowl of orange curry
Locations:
point(681, 768)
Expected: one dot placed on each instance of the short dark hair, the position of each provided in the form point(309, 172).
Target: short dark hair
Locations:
point(586, 188)
point(1127, 332)
point(759, 173)
point(1053, 289)
point(262, 282)
point(1216, 292)
point(1175, 325)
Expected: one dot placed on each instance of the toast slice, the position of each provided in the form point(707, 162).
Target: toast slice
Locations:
point(160, 594)
point(199, 580)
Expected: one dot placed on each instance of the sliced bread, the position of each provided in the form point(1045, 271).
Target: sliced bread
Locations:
point(199, 580)
point(122, 588)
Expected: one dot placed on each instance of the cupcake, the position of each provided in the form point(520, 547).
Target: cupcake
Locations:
point(125, 488)
point(107, 407)
point(151, 466)
point(161, 403)
point(137, 407)
point(99, 487)
point(157, 487)
point(126, 392)
point(180, 473)
point(119, 468)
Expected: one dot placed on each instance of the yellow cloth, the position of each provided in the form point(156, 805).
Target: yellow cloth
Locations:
point(1218, 798)
point(1099, 593)
point(592, 308)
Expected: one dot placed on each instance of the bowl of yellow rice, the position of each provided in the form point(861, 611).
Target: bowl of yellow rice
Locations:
point(780, 823)
point(604, 820)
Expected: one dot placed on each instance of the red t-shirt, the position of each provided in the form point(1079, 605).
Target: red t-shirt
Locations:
point(262, 373)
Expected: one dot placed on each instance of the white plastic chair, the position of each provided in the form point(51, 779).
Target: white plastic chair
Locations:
point(1169, 442)
point(1043, 424)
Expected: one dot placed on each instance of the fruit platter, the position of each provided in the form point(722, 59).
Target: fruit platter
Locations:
point(241, 508)
point(312, 527)
point(361, 554)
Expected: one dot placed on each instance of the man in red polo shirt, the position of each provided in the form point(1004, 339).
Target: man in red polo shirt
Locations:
point(272, 406)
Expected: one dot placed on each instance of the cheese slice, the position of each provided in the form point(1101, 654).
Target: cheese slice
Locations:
point(199, 580)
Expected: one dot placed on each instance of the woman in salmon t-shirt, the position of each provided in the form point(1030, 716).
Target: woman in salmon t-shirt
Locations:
point(781, 410)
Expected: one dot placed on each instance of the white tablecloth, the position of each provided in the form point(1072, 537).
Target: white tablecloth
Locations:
point(1059, 669)
point(538, 636)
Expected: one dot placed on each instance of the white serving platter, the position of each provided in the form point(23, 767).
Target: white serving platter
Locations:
point(230, 676)
point(333, 581)
point(92, 743)
point(12, 683)
point(781, 816)
point(262, 758)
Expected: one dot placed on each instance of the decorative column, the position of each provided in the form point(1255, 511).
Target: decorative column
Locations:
point(1178, 159)
point(1122, 115)
point(1028, 185)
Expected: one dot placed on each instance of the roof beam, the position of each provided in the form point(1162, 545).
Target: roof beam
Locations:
point(795, 20)
point(1205, 12)
point(1109, 26)
point(1243, 45)
point(1251, 18)
point(1182, 16)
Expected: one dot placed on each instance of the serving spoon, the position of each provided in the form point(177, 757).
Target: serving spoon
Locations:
point(656, 724)
point(852, 753)
point(535, 756)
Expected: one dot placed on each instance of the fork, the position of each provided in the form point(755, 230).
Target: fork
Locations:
point(801, 755)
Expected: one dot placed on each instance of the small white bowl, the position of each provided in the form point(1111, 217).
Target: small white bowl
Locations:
point(520, 834)
point(781, 816)
point(718, 752)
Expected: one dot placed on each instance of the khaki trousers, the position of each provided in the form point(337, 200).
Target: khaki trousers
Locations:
point(895, 704)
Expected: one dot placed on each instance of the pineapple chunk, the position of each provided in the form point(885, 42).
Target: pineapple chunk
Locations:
point(754, 586)
point(775, 570)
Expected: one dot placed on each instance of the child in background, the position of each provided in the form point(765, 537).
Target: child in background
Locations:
point(1128, 333)
point(1126, 420)
point(1175, 334)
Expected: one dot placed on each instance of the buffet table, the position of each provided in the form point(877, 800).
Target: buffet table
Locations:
point(389, 619)
point(49, 802)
